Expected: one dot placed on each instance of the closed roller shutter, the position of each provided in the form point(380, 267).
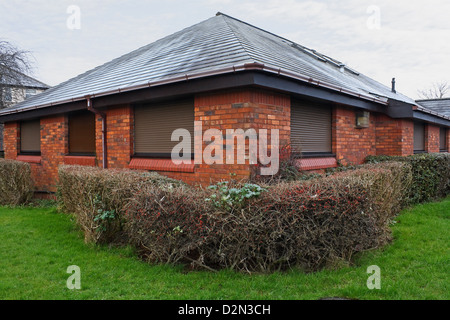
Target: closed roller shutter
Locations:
point(310, 127)
point(419, 136)
point(30, 136)
point(443, 139)
point(155, 123)
point(82, 133)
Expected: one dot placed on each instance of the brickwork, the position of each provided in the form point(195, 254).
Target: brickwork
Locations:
point(394, 137)
point(431, 138)
point(351, 144)
point(54, 146)
point(238, 109)
point(11, 140)
point(119, 127)
point(243, 109)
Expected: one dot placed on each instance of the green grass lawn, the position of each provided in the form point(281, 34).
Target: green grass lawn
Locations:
point(37, 245)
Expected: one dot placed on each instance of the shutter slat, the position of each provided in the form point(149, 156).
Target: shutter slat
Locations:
point(419, 136)
point(30, 136)
point(310, 127)
point(155, 123)
point(442, 138)
point(82, 132)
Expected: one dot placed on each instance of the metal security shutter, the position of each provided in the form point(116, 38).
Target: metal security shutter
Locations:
point(310, 127)
point(443, 138)
point(82, 133)
point(419, 136)
point(30, 136)
point(155, 123)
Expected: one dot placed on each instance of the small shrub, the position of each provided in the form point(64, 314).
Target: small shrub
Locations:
point(97, 197)
point(227, 196)
point(16, 184)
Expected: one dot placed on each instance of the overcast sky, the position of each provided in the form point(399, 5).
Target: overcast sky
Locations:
point(408, 40)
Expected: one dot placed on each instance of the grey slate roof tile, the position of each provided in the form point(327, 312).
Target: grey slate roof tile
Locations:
point(441, 106)
point(214, 44)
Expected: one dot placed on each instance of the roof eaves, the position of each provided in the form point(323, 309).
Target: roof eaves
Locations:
point(245, 67)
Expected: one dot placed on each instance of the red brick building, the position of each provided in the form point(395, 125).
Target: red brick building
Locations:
point(224, 74)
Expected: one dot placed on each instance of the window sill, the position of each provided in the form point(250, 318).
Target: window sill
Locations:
point(316, 163)
point(88, 161)
point(163, 165)
point(29, 159)
point(317, 155)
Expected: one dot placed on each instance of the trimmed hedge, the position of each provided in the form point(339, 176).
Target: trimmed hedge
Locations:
point(430, 175)
point(97, 197)
point(16, 184)
point(310, 224)
point(169, 224)
point(307, 224)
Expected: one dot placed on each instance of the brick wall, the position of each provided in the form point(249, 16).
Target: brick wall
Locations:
point(394, 136)
point(431, 138)
point(11, 140)
point(54, 145)
point(351, 144)
point(241, 109)
point(119, 127)
point(237, 109)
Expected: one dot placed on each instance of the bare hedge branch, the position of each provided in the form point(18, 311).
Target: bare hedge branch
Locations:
point(16, 185)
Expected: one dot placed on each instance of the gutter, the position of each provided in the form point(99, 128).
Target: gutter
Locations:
point(103, 117)
point(233, 69)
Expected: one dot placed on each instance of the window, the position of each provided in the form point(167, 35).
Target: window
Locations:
point(29, 93)
point(155, 123)
point(82, 133)
point(443, 139)
point(311, 127)
point(30, 137)
point(419, 137)
point(7, 95)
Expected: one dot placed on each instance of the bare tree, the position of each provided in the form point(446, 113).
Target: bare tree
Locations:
point(438, 90)
point(14, 64)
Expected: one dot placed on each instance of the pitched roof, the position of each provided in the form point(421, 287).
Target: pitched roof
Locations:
point(22, 80)
point(218, 45)
point(440, 106)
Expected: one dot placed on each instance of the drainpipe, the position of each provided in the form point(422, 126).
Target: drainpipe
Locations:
point(103, 117)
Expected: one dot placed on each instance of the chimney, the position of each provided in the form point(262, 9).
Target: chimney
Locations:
point(393, 85)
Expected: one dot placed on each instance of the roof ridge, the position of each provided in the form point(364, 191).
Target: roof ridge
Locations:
point(234, 33)
point(312, 52)
point(249, 24)
point(28, 77)
point(34, 79)
point(434, 99)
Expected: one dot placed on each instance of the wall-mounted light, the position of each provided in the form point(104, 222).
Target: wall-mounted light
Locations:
point(362, 119)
